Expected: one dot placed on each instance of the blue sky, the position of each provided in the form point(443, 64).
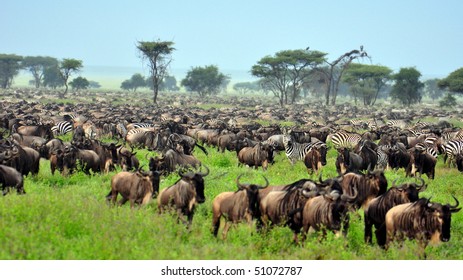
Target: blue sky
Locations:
point(234, 35)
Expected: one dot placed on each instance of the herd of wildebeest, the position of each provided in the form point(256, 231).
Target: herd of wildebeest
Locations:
point(106, 137)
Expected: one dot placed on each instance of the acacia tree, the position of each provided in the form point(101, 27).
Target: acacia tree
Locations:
point(245, 87)
point(432, 89)
point(79, 83)
point(37, 66)
point(137, 80)
point(367, 81)
point(333, 71)
point(158, 56)
point(10, 64)
point(284, 73)
point(204, 80)
point(453, 82)
point(67, 67)
point(407, 86)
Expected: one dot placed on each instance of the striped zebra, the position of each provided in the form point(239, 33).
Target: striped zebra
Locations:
point(296, 151)
point(383, 156)
point(451, 149)
point(62, 128)
point(429, 149)
point(397, 123)
point(344, 139)
point(131, 126)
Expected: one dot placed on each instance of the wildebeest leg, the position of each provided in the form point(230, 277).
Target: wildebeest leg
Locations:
point(368, 231)
point(215, 224)
point(226, 228)
point(381, 235)
point(122, 201)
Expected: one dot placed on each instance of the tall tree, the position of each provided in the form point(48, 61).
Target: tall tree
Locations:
point(169, 84)
point(52, 76)
point(37, 65)
point(284, 73)
point(366, 81)
point(79, 83)
point(158, 56)
point(407, 86)
point(333, 71)
point(206, 80)
point(136, 81)
point(453, 82)
point(67, 67)
point(432, 89)
point(10, 64)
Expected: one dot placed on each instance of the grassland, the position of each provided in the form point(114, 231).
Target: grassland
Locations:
point(62, 218)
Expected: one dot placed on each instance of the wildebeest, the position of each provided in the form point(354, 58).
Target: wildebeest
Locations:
point(254, 156)
point(11, 178)
point(312, 161)
point(172, 160)
point(423, 220)
point(348, 161)
point(236, 206)
point(184, 195)
point(368, 186)
point(375, 211)
point(284, 207)
point(69, 158)
point(422, 163)
point(43, 131)
point(328, 212)
point(137, 187)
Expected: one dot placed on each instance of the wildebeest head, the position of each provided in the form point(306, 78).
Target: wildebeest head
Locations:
point(197, 180)
point(411, 190)
point(444, 215)
point(252, 191)
point(376, 178)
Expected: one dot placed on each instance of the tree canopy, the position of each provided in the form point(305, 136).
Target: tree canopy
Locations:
point(206, 80)
point(10, 64)
point(37, 65)
point(366, 81)
point(407, 86)
point(158, 56)
point(79, 83)
point(453, 82)
point(283, 74)
point(67, 67)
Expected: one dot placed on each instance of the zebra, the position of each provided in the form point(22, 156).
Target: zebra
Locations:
point(383, 156)
point(451, 149)
point(296, 151)
point(131, 126)
point(397, 123)
point(429, 149)
point(344, 139)
point(62, 128)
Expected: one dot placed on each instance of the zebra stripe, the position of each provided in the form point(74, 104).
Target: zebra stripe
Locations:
point(344, 139)
point(295, 151)
point(62, 128)
point(429, 150)
point(451, 149)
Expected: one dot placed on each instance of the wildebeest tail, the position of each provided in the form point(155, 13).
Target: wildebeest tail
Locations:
point(202, 148)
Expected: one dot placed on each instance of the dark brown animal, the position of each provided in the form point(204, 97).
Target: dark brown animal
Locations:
point(375, 211)
point(11, 178)
point(426, 221)
point(254, 156)
point(138, 187)
point(184, 195)
point(236, 206)
point(368, 186)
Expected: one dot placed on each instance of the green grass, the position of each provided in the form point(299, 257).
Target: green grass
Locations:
point(68, 218)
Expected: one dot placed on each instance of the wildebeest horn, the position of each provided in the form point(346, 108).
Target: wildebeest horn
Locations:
point(421, 187)
point(188, 175)
point(456, 205)
point(320, 178)
point(204, 174)
point(240, 185)
point(394, 182)
point(266, 183)
point(350, 198)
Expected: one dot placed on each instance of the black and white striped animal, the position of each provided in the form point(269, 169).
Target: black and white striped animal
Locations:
point(344, 139)
point(62, 128)
point(297, 151)
point(451, 149)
